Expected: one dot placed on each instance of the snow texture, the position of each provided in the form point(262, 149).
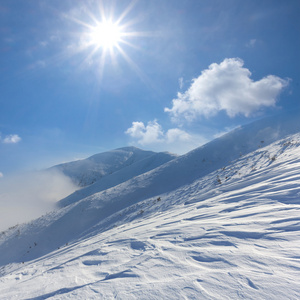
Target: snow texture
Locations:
point(221, 222)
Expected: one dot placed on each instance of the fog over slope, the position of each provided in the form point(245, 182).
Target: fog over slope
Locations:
point(26, 196)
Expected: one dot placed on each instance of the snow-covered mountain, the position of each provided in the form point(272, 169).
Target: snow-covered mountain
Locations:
point(221, 222)
point(199, 162)
point(87, 171)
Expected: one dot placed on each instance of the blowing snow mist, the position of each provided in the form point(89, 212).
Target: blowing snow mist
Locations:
point(27, 196)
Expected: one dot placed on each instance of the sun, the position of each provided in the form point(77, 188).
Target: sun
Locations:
point(103, 39)
point(106, 35)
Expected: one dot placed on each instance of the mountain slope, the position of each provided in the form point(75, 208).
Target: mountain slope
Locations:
point(210, 240)
point(219, 222)
point(203, 160)
point(125, 173)
point(87, 171)
point(88, 209)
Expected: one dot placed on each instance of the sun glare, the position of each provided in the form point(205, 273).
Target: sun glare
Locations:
point(106, 35)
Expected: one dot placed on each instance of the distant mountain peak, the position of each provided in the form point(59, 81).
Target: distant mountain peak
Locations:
point(87, 171)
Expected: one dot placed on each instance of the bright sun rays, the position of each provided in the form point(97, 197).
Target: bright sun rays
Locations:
point(105, 37)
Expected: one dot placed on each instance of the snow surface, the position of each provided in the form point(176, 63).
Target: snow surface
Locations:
point(87, 171)
point(221, 222)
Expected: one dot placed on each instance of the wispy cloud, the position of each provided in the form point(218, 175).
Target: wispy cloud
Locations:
point(180, 81)
point(251, 43)
point(226, 86)
point(174, 139)
point(1, 175)
point(39, 64)
point(10, 139)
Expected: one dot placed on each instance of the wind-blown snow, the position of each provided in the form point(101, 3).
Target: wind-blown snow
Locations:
point(221, 222)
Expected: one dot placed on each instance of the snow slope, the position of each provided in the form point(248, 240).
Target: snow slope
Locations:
point(199, 162)
point(212, 224)
point(125, 173)
point(87, 171)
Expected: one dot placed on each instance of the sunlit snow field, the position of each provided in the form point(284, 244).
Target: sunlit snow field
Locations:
point(230, 234)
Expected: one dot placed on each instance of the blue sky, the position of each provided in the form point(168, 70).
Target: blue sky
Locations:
point(183, 73)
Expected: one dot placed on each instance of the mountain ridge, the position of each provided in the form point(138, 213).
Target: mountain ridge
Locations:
point(211, 156)
point(87, 171)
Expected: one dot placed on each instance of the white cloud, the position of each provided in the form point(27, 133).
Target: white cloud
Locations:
point(226, 86)
point(152, 133)
point(176, 134)
point(174, 140)
point(11, 139)
point(1, 175)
